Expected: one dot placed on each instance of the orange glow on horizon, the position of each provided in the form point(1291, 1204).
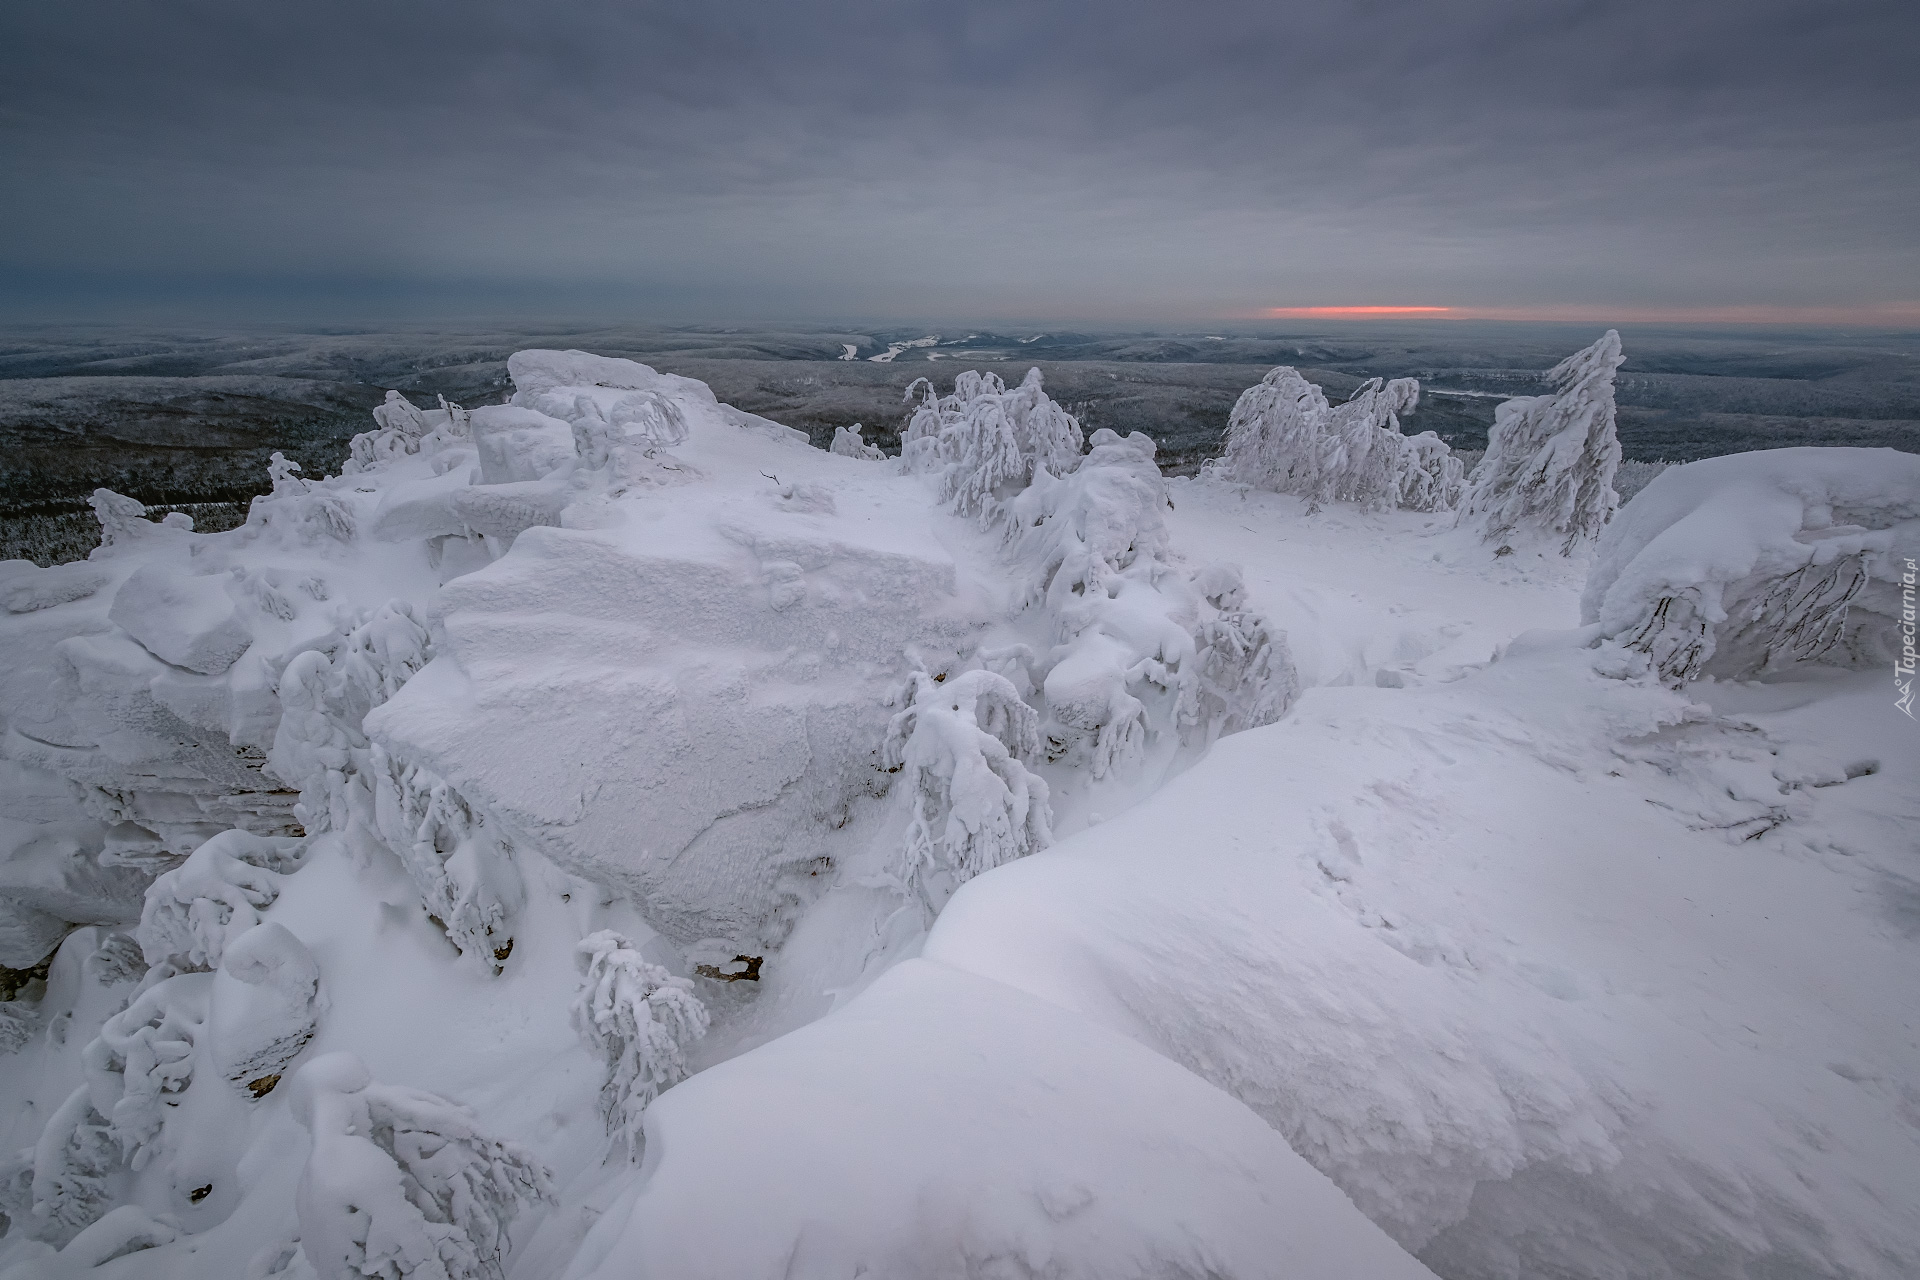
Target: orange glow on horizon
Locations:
point(1284, 313)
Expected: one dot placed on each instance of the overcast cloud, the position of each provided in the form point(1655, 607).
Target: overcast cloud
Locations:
point(1121, 160)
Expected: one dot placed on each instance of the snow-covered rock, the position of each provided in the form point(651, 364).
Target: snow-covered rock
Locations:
point(1738, 565)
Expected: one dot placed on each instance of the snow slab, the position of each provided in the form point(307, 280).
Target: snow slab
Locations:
point(943, 1125)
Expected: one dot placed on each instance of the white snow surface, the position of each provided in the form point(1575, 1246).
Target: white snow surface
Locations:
point(1407, 922)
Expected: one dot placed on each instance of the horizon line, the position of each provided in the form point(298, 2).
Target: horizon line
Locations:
point(1899, 313)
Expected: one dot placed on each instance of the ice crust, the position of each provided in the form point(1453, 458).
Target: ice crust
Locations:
point(600, 835)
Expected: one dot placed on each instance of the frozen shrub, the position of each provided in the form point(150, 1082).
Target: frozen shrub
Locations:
point(402, 1183)
point(1550, 461)
point(984, 442)
point(1244, 675)
point(1283, 436)
point(122, 519)
point(459, 859)
point(143, 1060)
point(72, 1162)
point(1432, 476)
point(399, 429)
point(848, 444)
point(320, 745)
point(1738, 565)
point(974, 804)
point(217, 894)
point(641, 1020)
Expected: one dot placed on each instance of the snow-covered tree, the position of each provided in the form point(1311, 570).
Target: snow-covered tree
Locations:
point(1093, 544)
point(1276, 435)
point(1283, 436)
point(960, 745)
point(1432, 477)
point(194, 911)
point(1364, 454)
point(1244, 675)
point(1550, 461)
point(985, 442)
point(76, 1155)
point(848, 444)
point(641, 1020)
point(401, 1184)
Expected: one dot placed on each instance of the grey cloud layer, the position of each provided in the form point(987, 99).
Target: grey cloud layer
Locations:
point(1048, 159)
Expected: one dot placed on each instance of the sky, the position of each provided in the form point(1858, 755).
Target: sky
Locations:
point(1715, 159)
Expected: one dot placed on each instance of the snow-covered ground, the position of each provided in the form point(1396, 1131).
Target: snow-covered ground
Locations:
point(1033, 933)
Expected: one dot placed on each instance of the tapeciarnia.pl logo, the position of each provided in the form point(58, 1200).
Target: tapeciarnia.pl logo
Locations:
point(1903, 665)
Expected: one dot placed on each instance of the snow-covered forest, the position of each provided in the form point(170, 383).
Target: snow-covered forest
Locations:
point(608, 834)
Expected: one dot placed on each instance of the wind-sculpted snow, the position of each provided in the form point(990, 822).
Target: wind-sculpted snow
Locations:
point(946, 1126)
point(1545, 1082)
point(1550, 460)
point(937, 867)
point(1735, 566)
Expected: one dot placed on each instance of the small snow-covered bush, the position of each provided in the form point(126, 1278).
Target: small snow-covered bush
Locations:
point(848, 444)
point(1244, 676)
point(985, 442)
point(1738, 565)
point(320, 745)
point(974, 804)
point(641, 1020)
point(122, 519)
point(401, 1183)
point(1550, 461)
point(459, 859)
point(75, 1156)
point(194, 911)
point(399, 429)
point(143, 1060)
